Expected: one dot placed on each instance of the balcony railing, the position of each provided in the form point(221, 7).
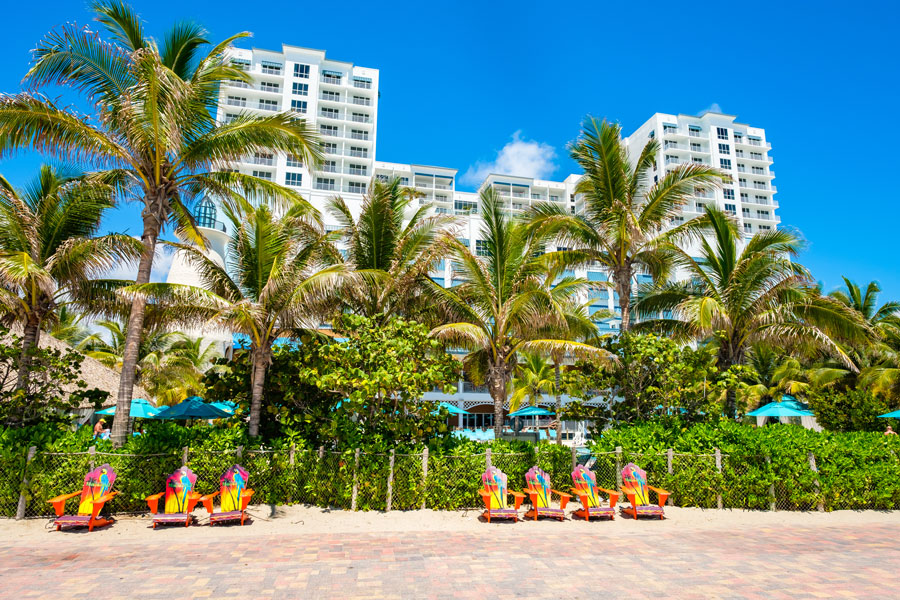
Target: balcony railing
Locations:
point(356, 171)
point(358, 154)
point(693, 133)
point(352, 189)
point(209, 223)
point(330, 168)
point(263, 160)
point(363, 85)
point(331, 79)
point(329, 132)
point(360, 119)
point(361, 101)
point(330, 114)
point(325, 186)
point(236, 102)
point(330, 97)
point(358, 136)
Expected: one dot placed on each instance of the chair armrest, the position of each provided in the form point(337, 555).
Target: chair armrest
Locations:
point(245, 498)
point(613, 496)
point(207, 501)
point(563, 498)
point(59, 503)
point(153, 501)
point(99, 502)
point(518, 498)
point(662, 494)
point(192, 500)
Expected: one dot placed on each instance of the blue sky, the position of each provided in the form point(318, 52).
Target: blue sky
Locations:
point(469, 84)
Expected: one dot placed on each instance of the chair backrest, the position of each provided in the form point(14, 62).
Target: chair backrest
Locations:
point(585, 481)
point(538, 481)
point(495, 482)
point(634, 481)
point(233, 483)
point(179, 486)
point(96, 484)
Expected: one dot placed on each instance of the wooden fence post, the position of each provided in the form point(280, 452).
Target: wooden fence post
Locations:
point(321, 452)
point(772, 505)
point(574, 459)
point(291, 465)
point(239, 452)
point(92, 451)
point(719, 471)
point(355, 480)
point(812, 465)
point(670, 457)
point(185, 455)
point(487, 458)
point(619, 467)
point(20, 509)
point(424, 475)
point(390, 482)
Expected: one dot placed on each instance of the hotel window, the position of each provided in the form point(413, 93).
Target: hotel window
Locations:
point(464, 241)
point(729, 193)
point(357, 134)
point(268, 105)
point(301, 71)
point(762, 214)
point(730, 209)
point(331, 77)
point(756, 155)
point(762, 199)
point(229, 117)
point(481, 248)
point(271, 69)
point(268, 86)
point(240, 63)
point(362, 101)
point(697, 160)
point(236, 101)
point(300, 89)
point(298, 106)
point(329, 166)
point(264, 158)
point(694, 130)
point(748, 228)
point(330, 113)
point(745, 196)
point(721, 133)
point(359, 170)
point(725, 163)
point(404, 181)
point(695, 147)
point(293, 161)
point(330, 130)
point(738, 138)
point(324, 183)
point(742, 182)
point(293, 179)
point(724, 149)
point(330, 148)
point(262, 174)
point(357, 152)
point(670, 129)
point(651, 135)
point(360, 117)
point(332, 96)
point(572, 209)
point(759, 171)
point(745, 212)
point(554, 198)
point(356, 187)
point(765, 228)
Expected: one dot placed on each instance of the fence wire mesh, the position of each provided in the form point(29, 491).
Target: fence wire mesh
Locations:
point(833, 480)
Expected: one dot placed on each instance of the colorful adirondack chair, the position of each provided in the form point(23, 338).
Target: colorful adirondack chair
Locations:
point(586, 489)
point(180, 499)
point(496, 496)
point(634, 485)
point(233, 497)
point(540, 493)
point(95, 493)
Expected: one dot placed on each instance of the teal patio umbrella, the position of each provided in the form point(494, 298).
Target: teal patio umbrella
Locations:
point(890, 415)
point(531, 411)
point(452, 409)
point(192, 408)
point(140, 409)
point(226, 405)
point(780, 409)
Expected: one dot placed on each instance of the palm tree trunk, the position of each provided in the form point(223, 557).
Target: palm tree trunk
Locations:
point(260, 363)
point(122, 423)
point(497, 378)
point(558, 404)
point(30, 338)
point(622, 277)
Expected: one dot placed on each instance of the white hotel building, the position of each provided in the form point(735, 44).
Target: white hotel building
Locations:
point(341, 100)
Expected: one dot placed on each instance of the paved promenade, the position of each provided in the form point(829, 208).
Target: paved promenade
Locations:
point(524, 560)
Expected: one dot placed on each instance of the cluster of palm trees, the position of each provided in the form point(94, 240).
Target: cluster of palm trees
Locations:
point(151, 137)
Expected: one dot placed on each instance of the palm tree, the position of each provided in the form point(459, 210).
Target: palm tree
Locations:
point(395, 258)
point(532, 379)
point(153, 121)
point(279, 278)
point(625, 219)
point(48, 252)
point(503, 302)
point(68, 327)
point(883, 319)
point(757, 294)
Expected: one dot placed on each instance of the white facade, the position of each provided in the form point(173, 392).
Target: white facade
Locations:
point(715, 139)
point(341, 101)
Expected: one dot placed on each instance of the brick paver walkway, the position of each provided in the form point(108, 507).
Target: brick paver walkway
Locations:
point(502, 562)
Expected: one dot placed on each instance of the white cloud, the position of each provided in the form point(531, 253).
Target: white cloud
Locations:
point(713, 108)
point(162, 262)
point(525, 158)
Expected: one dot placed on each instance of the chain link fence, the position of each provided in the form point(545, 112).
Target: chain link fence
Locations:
point(354, 480)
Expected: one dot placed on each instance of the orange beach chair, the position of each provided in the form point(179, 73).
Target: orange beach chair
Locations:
point(496, 496)
point(634, 485)
point(180, 499)
point(233, 497)
point(586, 489)
point(95, 493)
point(540, 494)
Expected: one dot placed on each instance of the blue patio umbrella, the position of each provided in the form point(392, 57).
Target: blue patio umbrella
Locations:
point(780, 409)
point(226, 405)
point(531, 411)
point(192, 408)
point(140, 409)
point(890, 415)
point(452, 409)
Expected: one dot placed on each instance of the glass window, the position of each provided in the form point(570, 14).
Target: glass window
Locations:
point(724, 149)
point(301, 71)
point(293, 161)
point(268, 105)
point(298, 106)
point(293, 179)
point(331, 130)
point(300, 89)
point(729, 193)
point(721, 133)
point(324, 183)
point(481, 248)
point(730, 209)
point(725, 163)
point(268, 86)
point(356, 187)
point(271, 70)
point(262, 174)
